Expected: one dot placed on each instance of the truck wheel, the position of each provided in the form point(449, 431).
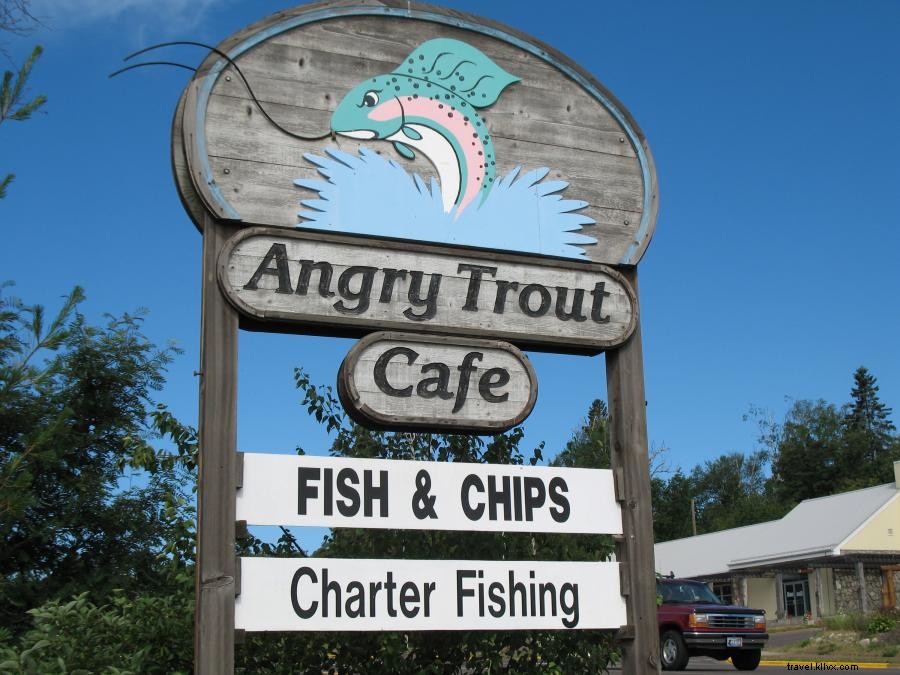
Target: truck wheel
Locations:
point(672, 652)
point(746, 660)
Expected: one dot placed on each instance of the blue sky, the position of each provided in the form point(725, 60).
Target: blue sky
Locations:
point(773, 271)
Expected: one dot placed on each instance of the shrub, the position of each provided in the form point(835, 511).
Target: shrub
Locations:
point(881, 623)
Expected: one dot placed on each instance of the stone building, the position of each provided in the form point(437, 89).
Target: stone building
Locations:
point(831, 555)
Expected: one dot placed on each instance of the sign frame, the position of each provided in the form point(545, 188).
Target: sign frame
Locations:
point(364, 414)
point(218, 574)
point(256, 319)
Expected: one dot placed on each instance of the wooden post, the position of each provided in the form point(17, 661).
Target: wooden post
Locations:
point(818, 593)
point(215, 586)
point(779, 595)
point(863, 598)
point(630, 461)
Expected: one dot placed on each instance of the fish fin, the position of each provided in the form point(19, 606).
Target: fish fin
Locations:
point(409, 132)
point(474, 76)
point(404, 150)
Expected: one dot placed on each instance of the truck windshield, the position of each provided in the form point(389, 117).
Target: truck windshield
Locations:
point(687, 592)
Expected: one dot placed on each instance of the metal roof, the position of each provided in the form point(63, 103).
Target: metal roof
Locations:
point(812, 529)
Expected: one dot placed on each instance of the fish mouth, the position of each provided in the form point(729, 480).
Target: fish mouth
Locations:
point(363, 134)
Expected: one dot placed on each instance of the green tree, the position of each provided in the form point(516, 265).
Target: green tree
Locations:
point(672, 506)
point(870, 441)
point(808, 452)
point(14, 105)
point(589, 446)
point(820, 450)
point(86, 504)
point(732, 491)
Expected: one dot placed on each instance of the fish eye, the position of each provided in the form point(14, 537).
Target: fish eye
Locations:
point(370, 99)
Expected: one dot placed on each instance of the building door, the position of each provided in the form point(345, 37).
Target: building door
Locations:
point(796, 597)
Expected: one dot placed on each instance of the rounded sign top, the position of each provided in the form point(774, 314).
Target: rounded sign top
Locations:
point(414, 122)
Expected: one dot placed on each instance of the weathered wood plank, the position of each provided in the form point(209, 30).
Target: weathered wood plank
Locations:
point(217, 432)
point(269, 197)
point(574, 306)
point(545, 119)
point(628, 434)
point(407, 381)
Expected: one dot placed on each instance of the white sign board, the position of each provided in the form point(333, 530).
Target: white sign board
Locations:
point(305, 282)
point(319, 594)
point(400, 494)
point(436, 383)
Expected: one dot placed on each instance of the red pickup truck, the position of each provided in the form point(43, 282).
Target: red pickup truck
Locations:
point(694, 622)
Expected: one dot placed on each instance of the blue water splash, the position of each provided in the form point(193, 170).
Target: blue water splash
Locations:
point(368, 194)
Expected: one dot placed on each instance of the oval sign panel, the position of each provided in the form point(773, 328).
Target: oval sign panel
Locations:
point(403, 381)
point(414, 122)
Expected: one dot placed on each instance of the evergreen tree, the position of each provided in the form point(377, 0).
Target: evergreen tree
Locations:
point(672, 506)
point(12, 105)
point(75, 418)
point(870, 444)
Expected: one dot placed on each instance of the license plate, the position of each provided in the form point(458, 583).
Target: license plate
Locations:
point(734, 642)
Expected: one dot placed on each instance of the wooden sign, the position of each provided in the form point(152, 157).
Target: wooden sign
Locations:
point(403, 381)
point(290, 594)
point(404, 120)
point(305, 282)
point(315, 491)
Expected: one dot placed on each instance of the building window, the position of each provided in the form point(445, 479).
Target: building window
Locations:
point(723, 590)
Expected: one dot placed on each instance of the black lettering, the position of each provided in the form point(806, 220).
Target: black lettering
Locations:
point(387, 286)
point(366, 275)
point(469, 483)
point(380, 371)
point(441, 382)
point(374, 493)
point(517, 498)
point(492, 379)
point(496, 497)
point(525, 297)
point(328, 496)
point(414, 296)
point(347, 479)
point(429, 589)
point(330, 587)
point(356, 595)
point(577, 298)
point(570, 608)
point(278, 254)
point(463, 592)
point(544, 588)
point(535, 495)
point(465, 373)
point(409, 595)
point(475, 272)
point(517, 587)
point(597, 305)
point(325, 272)
point(389, 586)
point(560, 513)
point(503, 287)
point(295, 597)
point(305, 491)
point(498, 604)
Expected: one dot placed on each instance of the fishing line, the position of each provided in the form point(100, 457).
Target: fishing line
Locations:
point(231, 63)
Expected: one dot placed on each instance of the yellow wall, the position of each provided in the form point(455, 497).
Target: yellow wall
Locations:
point(761, 595)
point(882, 533)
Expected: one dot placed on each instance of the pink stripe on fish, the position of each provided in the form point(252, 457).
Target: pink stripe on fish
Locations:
point(457, 124)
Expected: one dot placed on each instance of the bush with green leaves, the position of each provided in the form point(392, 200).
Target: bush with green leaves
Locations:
point(144, 634)
point(882, 623)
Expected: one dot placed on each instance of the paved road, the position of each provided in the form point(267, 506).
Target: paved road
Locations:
point(705, 665)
